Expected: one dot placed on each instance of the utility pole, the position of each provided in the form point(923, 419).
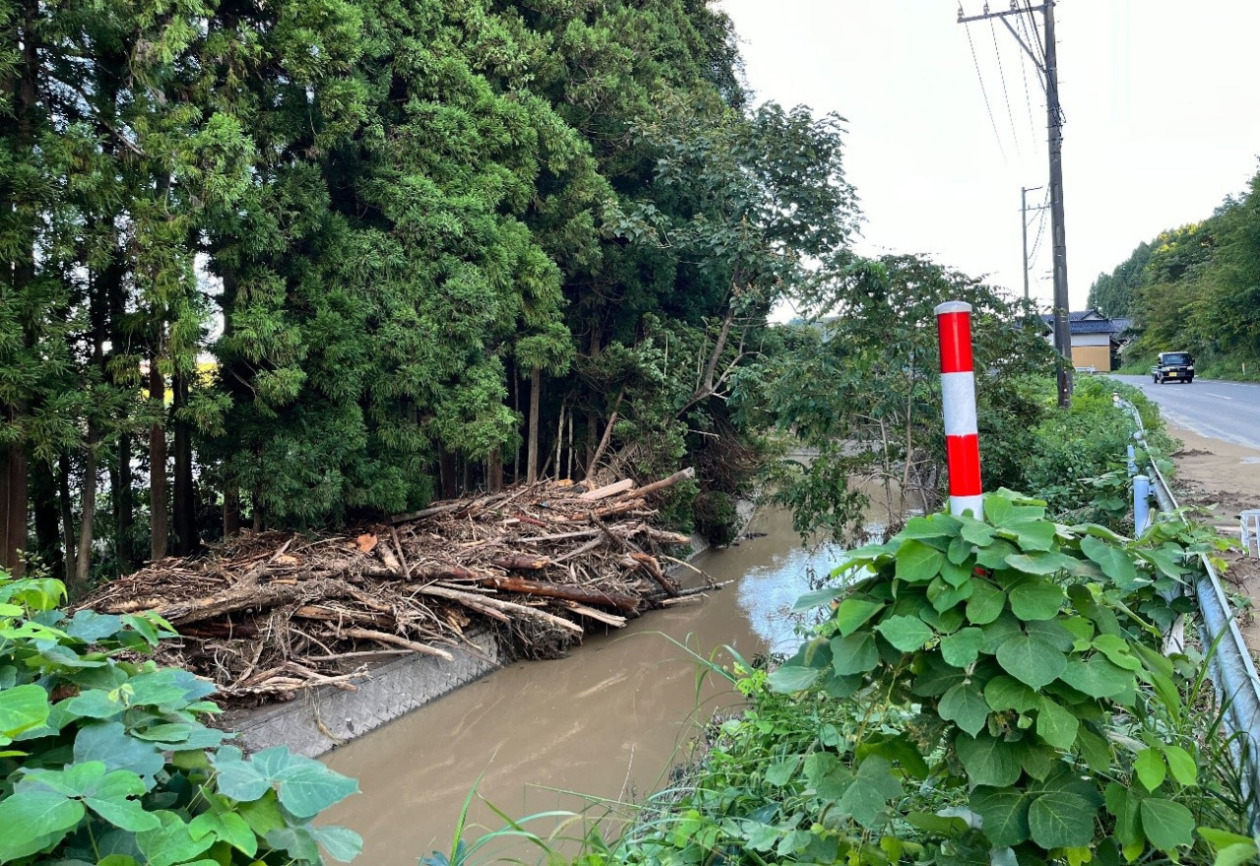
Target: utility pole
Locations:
point(1047, 62)
point(1023, 220)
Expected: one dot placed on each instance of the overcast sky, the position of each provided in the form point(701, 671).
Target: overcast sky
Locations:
point(1162, 99)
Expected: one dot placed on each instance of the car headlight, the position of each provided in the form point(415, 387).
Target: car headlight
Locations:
point(1190, 368)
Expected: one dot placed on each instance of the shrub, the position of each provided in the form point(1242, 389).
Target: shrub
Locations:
point(106, 758)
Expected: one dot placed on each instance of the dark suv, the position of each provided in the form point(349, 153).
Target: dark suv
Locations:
point(1173, 367)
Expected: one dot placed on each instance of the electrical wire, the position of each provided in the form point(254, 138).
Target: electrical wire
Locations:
point(1010, 113)
point(984, 92)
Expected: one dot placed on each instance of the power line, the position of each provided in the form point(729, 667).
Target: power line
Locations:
point(1005, 97)
point(985, 93)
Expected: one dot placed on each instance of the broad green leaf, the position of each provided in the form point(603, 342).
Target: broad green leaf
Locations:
point(110, 743)
point(811, 601)
point(341, 843)
point(789, 679)
point(1059, 819)
point(937, 677)
point(1115, 562)
point(97, 704)
point(237, 778)
point(918, 563)
point(21, 708)
point(307, 787)
point(1036, 563)
point(298, 842)
point(854, 654)
point(906, 633)
point(1031, 661)
point(986, 603)
point(1150, 768)
point(1181, 764)
point(955, 575)
point(994, 556)
point(1166, 824)
point(964, 705)
point(33, 820)
point(962, 648)
point(171, 842)
point(1007, 693)
point(780, 772)
point(1125, 806)
point(1036, 598)
point(1116, 649)
point(109, 798)
point(864, 801)
point(1052, 632)
point(988, 761)
point(1037, 759)
point(1033, 534)
point(1005, 814)
point(1095, 750)
point(1096, 677)
point(929, 527)
point(1222, 838)
point(943, 596)
point(937, 825)
point(227, 827)
point(1056, 725)
point(959, 551)
point(975, 531)
point(1236, 855)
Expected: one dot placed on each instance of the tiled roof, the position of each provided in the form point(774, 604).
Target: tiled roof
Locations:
point(1079, 324)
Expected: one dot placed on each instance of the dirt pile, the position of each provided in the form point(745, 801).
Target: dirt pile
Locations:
point(265, 615)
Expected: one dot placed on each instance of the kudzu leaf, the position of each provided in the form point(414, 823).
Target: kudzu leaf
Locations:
point(918, 563)
point(1036, 598)
point(1008, 693)
point(1096, 677)
point(966, 706)
point(1115, 562)
point(780, 772)
point(1166, 824)
point(1116, 649)
point(1056, 725)
point(33, 820)
point(986, 603)
point(854, 654)
point(853, 613)
point(341, 843)
point(1181, 764)
point(906, 633)
point(962, 648)
point(1031, 661)
point(1059, 819)
point(987, 760)
point(1005, 814)
point(1150, 768)
point(811, 601)
point(22, 708)
point(792, 678)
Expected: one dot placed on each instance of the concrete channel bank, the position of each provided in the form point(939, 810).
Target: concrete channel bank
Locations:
point(321, 719)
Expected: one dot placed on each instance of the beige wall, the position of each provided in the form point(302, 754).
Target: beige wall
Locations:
point(1098, 357)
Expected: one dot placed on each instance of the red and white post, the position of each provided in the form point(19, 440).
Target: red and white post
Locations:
point(958, 392)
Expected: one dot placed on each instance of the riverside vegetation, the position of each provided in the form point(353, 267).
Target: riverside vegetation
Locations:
point(987, 692)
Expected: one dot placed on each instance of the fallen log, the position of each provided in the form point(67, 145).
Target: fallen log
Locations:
point(247, 596)
point(396, 640)
point(649, 564)
point(608, 490)
point(565, 592)
point(498, 604)
point(656, 486)
point(519, 562)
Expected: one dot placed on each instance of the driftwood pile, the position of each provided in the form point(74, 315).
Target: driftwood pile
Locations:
point(266, 615)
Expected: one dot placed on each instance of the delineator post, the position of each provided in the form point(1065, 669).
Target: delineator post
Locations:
point(958, 392)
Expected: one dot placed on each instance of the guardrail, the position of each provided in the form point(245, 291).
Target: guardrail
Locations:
point(1233, 671)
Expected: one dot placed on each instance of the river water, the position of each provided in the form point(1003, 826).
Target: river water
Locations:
point(609, 721)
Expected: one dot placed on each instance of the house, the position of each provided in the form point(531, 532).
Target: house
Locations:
point(1095, 339)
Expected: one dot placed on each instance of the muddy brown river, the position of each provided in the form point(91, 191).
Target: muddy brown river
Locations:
point(580, 734)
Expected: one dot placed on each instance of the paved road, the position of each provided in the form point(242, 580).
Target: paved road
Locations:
point(1218, 410)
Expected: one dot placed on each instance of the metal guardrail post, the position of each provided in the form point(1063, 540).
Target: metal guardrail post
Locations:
point(1141, 504)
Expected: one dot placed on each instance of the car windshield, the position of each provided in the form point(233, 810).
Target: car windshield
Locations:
point(1176, 358)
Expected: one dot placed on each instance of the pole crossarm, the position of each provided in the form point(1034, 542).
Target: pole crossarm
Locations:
point(1023, 10)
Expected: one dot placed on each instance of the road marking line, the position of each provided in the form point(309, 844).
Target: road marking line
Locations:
point(1222, 396)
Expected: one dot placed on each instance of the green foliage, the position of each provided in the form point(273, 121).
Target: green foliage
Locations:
point(981, 691)
point(108, 759)
point(862, 389)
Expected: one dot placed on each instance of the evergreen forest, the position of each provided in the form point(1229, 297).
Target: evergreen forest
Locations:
point(297, 263)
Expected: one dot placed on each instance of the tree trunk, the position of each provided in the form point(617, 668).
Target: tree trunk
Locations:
point(494, 471)
point(159, 521)
point(66, 507)
point(43, 494)
point(535, 395)
point(592, 416)
point(123, 498)
point(231, 510)
point(83, 559)
point(447, 470)
point(184, 504)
